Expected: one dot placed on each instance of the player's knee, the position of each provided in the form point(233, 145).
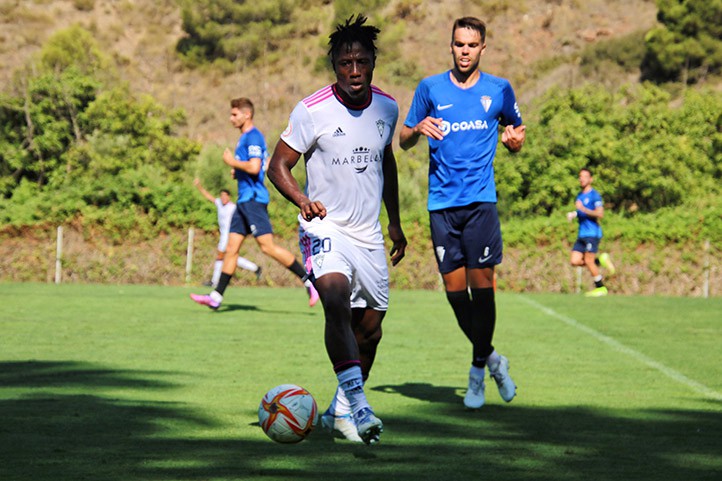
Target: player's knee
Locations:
point(369, 339)
point(336, 306)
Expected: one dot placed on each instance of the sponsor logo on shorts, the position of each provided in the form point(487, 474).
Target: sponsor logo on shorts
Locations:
point(486, 257)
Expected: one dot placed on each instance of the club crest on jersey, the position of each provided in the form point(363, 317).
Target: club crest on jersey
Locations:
point(288, 130)
point(381, 126)
point(485, 102)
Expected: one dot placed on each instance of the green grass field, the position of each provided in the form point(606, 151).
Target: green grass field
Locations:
point(138, 383)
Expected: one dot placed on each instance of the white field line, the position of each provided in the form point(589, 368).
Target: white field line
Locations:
point(618, 346)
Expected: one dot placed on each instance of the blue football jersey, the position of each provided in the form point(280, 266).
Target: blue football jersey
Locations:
point(252, 145)
point(461, 165)
point(589, 226)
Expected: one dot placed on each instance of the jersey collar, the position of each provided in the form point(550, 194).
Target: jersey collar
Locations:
point(351, 106)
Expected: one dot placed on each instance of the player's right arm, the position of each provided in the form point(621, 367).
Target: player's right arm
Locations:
point(283, 160)
point(206, 194)
point(429, 126)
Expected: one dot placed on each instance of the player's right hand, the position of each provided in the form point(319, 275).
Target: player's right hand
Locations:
point(430, 127)
point(312, 209)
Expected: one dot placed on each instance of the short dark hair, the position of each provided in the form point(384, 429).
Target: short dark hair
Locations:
point(472, 23)
point(587, 169)
point(353, 31)
point(225, 191)
point(242, 103)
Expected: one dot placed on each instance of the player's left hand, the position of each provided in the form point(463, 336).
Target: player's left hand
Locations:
point(513, 138)
point(398, 249)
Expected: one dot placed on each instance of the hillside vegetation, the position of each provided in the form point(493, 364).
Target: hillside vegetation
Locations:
point(109, 109)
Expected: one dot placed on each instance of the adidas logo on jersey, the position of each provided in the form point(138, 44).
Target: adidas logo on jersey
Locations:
point(339, 132)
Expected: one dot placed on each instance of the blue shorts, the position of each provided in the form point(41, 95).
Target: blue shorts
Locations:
point(587, 244)
point(251, 218)
point(468, 236)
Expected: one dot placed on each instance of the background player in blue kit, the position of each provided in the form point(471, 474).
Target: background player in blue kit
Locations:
point(251, 214)
point(459, 111)
point(590, 209)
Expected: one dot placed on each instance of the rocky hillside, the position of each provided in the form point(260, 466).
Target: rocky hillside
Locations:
point(535, 43)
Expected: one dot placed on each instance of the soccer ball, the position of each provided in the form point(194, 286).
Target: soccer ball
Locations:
point(287, 413)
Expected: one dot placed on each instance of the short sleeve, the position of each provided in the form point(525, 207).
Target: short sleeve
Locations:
point(255, 145)
point(420, 106)
point(300, 132)
point(510, 114)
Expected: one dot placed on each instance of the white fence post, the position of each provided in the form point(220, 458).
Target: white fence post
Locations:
point(189, 254)
point(59, 256)
point(578, 288)
point(705, 275)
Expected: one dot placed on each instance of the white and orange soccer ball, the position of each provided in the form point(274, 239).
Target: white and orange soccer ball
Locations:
point(287, 413)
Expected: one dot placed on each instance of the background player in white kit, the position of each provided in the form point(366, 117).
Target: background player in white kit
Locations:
point(345, 131)
point(225, 208)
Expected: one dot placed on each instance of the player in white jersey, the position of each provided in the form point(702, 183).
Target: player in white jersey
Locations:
point(344, 132)
point(225, 209)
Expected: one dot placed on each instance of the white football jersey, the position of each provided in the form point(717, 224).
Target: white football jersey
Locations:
point(225, 214)
point(344, 150)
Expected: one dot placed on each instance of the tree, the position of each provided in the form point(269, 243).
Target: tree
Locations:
point(688, 44)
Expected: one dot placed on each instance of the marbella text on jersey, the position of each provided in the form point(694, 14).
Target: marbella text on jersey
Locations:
point(360, 155)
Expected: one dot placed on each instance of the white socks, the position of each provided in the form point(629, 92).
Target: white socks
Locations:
point(340, 405)
point(244, 263)
point(351, 382)
point(217, 267)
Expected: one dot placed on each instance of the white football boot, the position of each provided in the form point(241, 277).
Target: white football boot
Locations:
point(340, 426)
point(474, 397)
point(500, 374)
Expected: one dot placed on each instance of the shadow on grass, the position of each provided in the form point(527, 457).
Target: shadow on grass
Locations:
point(292, 312)
point(50, 433)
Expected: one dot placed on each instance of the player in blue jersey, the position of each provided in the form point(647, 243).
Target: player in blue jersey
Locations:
point(251, 214)
point(590, 209)
point(460, 112)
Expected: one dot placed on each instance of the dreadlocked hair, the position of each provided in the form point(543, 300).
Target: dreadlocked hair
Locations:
point(353, 31)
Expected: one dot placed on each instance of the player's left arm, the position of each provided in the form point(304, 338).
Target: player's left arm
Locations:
point(514, 133)
point(513, 137)
point(391, 201)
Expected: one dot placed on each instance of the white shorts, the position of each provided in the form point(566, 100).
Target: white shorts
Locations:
point(366, 269)
point(223, 241)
